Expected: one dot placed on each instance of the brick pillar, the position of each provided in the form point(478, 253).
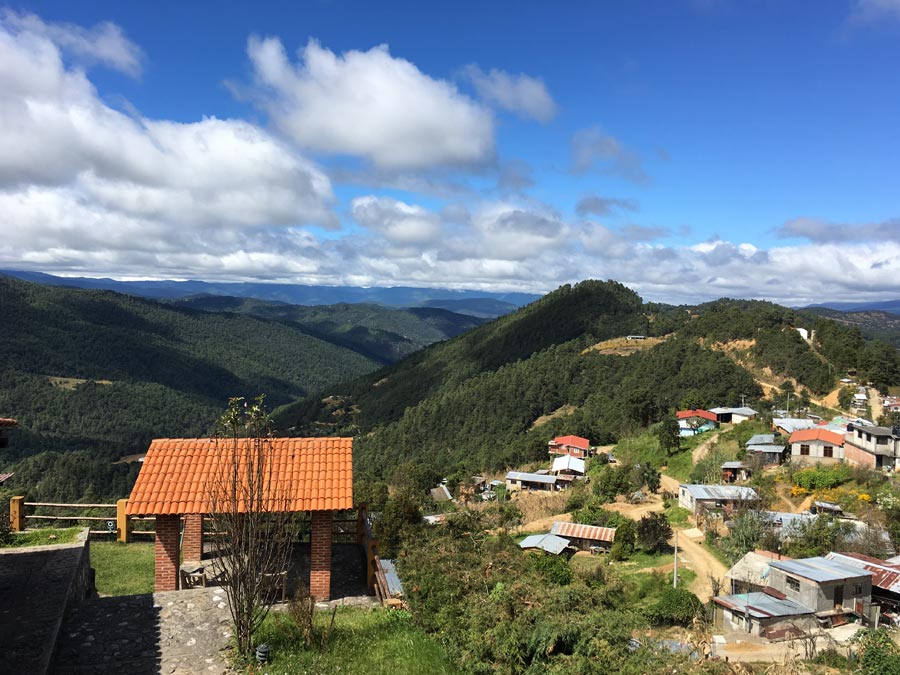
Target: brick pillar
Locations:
point(192, 542)
point(168, 531)
point(320, 555)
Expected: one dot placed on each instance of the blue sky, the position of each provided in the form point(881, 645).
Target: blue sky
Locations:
point(691, 150)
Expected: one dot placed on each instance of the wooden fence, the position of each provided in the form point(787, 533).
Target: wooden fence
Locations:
point(375, 576)
point(117, 521)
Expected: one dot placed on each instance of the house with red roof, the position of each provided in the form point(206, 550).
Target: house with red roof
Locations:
point(6, 423)
point(817, 446)
point(574, 446)
point(696, 421)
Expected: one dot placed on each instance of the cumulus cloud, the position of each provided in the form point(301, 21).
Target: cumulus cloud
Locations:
point(521, 94)
point(369, 104)
point(103, 44)
point(515, 176)
point(399, 222)
point(820, 231)
point(594, 150)
point(84, 186)
point(601, 206)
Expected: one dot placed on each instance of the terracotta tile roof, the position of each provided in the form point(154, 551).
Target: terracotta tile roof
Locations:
point(696, 412)
point(8, 422)
point(310, 474)
point(574, 441)
point(817, 434)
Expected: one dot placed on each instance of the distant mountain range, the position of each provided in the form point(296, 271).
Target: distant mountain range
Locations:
point(474, 303)
point(892, 306)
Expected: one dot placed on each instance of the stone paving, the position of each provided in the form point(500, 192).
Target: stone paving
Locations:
point(34, 585)
point(175, 632)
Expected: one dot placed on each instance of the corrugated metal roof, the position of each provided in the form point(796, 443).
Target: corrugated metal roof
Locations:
point(568, 463)
point(579, 531)
point(752, 568)
point(819, 569)
point(531, 477)
point(761, 439)
point(766, 447)
point(792, 424)
point(545, 542)
point(762, 605)
point(721, 492)
point(746, 412)
point(733, 465)
point(885, 575)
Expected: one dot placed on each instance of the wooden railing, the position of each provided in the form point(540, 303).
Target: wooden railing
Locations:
point(123, 523)
point(375, 578)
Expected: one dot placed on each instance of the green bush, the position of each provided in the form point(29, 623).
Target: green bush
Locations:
point(676, 606)
point(822, 477)
point(553, 568)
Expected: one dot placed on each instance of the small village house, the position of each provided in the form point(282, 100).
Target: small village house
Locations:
point(567, 465)
point(575, 446)
point(788, 425)
point(6, 423)
point(441, 494)
point(765, 447)
point(585, 537)
point(696, 421)
point(726, 498)
point(766, 614)
point(872, 446)
point(734, 415)
point(734, 471)
point(828, 587)
point(816, 446)
point(519, 480)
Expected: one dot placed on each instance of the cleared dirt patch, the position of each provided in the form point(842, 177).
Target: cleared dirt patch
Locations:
point(623, 347)
point(70, 383)
point(559, 412)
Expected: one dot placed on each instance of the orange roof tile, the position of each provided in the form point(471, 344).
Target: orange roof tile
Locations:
point(696, 412)
point(574, 441)
point(8, 422)
point(179, 474)
point(817, 434)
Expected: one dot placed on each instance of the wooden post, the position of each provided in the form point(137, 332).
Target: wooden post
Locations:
point(17, 514)
point(360, 525)
point(123, 523)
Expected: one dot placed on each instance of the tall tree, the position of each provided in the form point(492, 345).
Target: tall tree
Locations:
point(668, 434)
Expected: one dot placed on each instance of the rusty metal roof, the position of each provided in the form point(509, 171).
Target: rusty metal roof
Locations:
point(885, 575)
point(578, 531)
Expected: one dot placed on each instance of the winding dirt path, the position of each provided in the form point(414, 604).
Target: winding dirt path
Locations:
point(692, 555)
point(700, 451)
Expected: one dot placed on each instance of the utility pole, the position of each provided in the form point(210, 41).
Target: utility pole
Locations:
point(742, 401)
point(675, 565)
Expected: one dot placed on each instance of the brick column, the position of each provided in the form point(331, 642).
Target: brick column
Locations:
point(192, 542)
point(168, 531)
point(320, 555)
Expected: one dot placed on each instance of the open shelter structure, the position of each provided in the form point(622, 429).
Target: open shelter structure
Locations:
point(313, 475)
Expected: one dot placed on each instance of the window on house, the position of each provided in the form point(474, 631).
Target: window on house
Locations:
point(793, 584)
point(857, 589)
point(828, 451)
point(804, 449)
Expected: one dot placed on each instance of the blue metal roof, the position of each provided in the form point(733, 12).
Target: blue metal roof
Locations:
point(546, 542)
point(762, 605)
point(531, 477)
point(819, 569)
point(761, 439)
point(395, 588)
point(766, 447)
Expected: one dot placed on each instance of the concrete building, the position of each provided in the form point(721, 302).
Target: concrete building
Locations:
point(766, 448)
point(817, 446)
point(576, 446)
point(764, 614)
point(873, 447)
point(828, 587)
point(751, 573)
point(519, 480)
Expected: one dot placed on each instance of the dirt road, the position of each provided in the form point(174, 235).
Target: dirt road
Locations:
point(693, 556)
point(875, 403)
point(700, 451)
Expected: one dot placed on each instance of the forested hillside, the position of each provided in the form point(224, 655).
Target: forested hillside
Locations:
point(104, 373)
point(472, 403)
point(378, 332)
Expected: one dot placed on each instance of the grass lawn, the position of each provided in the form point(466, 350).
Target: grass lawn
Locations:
point(363, 641)
point(123, 569)
point(43, 537)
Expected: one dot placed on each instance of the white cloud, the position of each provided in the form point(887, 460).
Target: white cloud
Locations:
point(524, 95)
point(594, 150)
point(820, 231)
point(601, 206)
point(78, 177)
point(399, 222)
point(369, 104)
point(104, 44)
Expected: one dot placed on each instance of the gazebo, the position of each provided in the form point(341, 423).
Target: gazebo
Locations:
point(312, 475)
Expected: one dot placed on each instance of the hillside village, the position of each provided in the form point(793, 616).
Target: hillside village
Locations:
point(742, 510)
